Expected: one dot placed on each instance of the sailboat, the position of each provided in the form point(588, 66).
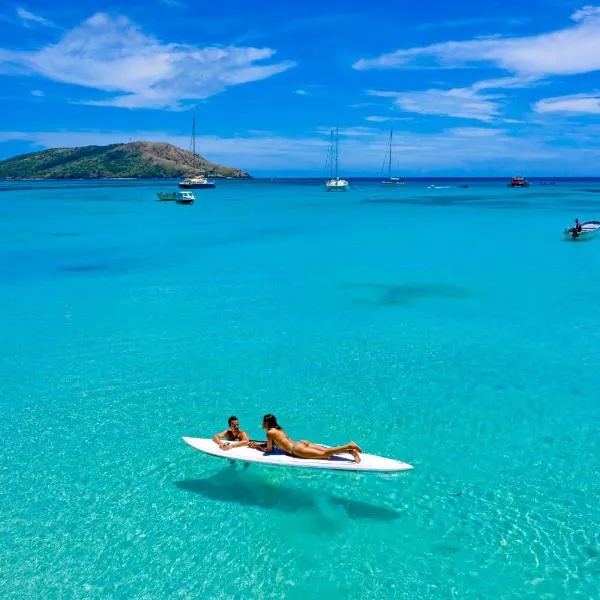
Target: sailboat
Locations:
point(335, 184)
point(391, 180)
point(195, 181)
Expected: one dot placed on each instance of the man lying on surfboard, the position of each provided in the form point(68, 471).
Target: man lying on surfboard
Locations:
point(276, 437)
point(233, 434)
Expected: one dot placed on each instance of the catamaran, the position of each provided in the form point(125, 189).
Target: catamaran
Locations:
point(391, 180)
point(335, 184)
point(195, 182)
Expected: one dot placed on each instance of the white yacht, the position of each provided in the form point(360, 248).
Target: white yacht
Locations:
point(391, 180)
point(335, 183)
point(195, 182)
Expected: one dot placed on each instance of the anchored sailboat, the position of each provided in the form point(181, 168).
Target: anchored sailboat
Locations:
point(335, 184)
point(195, 181)
point(391, 180)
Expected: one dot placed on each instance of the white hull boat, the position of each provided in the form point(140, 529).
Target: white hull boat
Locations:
point(588, 231)
point(336, 185)
point(388, 157)
point(195, 182)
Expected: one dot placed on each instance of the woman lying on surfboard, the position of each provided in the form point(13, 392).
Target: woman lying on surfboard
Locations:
point(276, 437)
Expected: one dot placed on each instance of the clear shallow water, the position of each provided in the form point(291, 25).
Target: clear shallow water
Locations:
point(450, 328)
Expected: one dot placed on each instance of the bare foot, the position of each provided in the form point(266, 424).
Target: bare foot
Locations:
point(356, 455)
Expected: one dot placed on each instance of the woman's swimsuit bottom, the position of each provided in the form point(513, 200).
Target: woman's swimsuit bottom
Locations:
point(292, 452)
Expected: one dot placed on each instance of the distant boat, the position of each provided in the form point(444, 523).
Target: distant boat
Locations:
point(335, 184)
point(518, 182)
point(177, 196)
point(587, 232)
point(391, 180)
point(195, 182)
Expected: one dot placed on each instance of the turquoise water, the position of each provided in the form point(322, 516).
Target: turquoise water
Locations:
point(449, 328)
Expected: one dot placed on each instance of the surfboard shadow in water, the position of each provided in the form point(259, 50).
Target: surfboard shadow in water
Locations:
point(406, 294)
point(247, 490)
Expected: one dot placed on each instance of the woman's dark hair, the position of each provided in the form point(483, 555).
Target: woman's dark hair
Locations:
point(271, 422)
point(231, 419)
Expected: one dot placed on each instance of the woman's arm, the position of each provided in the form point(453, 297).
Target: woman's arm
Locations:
point(269, 447)
point(257, 445)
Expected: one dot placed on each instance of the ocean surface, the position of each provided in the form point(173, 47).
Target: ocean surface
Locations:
point(451, 328)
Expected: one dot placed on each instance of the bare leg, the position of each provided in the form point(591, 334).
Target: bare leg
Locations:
point(319, 452)
point(322, 447)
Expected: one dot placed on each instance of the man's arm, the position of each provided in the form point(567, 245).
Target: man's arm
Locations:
point(217, 439)
point(244, 441)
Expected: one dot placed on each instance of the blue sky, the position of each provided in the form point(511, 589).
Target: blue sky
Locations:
point(487, 88)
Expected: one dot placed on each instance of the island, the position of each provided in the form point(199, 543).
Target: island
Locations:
point(128, 161)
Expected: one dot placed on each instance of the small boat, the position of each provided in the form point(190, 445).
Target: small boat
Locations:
point(587, 232)
point(391, 180)
point(185, 198)
point(195, 182)
point(177, 196)
point(335, 183)
point(518, 182)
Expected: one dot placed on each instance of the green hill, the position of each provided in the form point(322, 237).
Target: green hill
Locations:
point(136, 159)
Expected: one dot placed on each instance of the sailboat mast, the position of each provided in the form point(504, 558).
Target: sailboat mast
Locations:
point(194, 142)
point(390, 155)
point(337, 147)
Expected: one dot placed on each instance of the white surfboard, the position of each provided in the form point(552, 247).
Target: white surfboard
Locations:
point(339, 462)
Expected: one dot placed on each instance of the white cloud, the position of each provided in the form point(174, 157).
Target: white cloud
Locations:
point(468, 23)
point(357, 132)
point(577, 104)
point(462, 103)
point(380, 119)
point(37, 93)
point(138, 71)
point(301, 92)
point(28, 18)
point(475, 132)
point(585, 12)
point(574, 49)
point(172, 3)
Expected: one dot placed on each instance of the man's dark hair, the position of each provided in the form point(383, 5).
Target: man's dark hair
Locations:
point(231, 419)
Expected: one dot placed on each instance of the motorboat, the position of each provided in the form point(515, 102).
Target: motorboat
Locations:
point(176, 196)
point(185, 198)
point(518, 182)
point(587, 231)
